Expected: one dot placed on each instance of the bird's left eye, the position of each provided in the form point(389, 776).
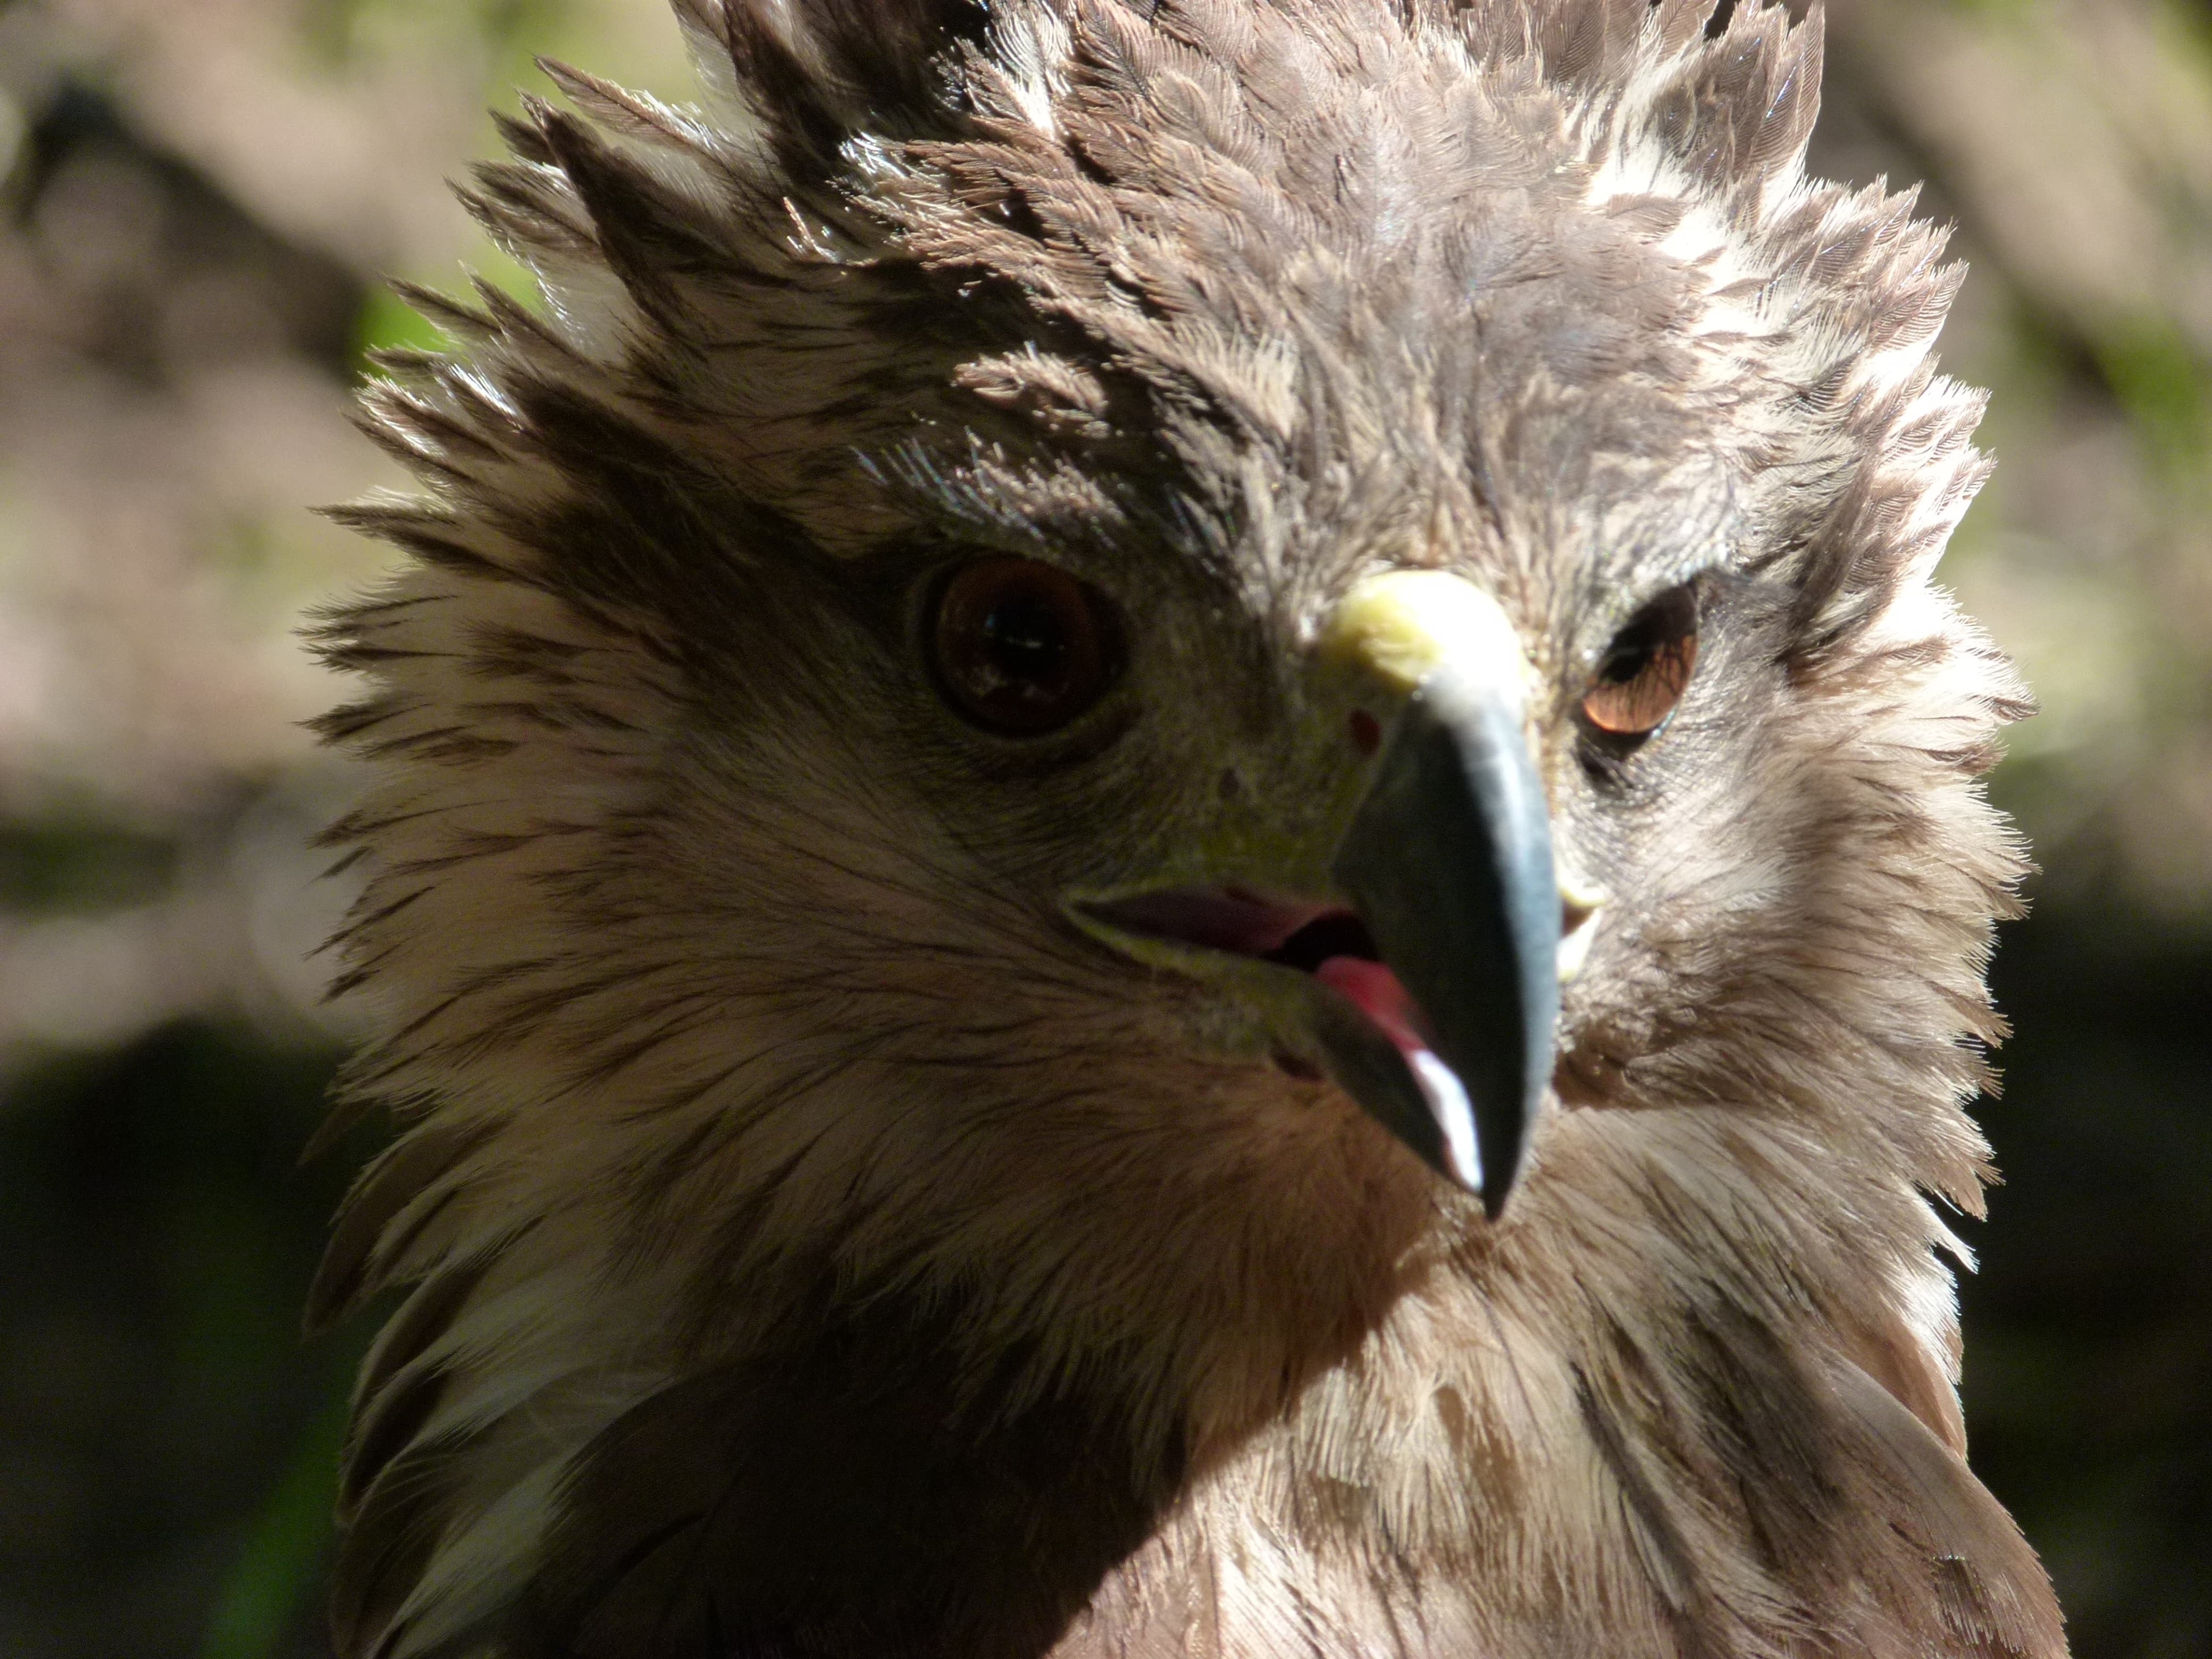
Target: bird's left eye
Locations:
point(1021, 646)
point(1646, 669)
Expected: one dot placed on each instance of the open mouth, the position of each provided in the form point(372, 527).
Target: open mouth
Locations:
point(1329, 942)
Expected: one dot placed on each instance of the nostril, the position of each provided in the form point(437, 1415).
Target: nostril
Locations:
point(1366, 732)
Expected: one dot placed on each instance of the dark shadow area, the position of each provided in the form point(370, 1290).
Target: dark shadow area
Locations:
point(2089, 1327)
point(155, 1243)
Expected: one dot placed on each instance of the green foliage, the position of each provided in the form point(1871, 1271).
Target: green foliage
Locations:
point(74, 864)
point(388, 323)
point(2166, 390)
point(338, 30)
point(279, 1567)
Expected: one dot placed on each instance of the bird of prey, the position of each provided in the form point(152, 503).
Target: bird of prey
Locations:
point(1174, 851)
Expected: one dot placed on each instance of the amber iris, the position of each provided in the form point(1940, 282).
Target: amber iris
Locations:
point(1020, 646)
point(1646, 669)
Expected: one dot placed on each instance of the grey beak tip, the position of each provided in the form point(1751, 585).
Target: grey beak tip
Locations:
point(1501, 1177)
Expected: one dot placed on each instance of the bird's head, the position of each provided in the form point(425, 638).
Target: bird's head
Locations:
point(1151, 678)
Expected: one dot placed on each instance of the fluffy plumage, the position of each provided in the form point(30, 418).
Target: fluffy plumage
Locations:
point(816, 1246)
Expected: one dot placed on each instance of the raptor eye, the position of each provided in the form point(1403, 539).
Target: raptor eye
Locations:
point(1021, 646)
point(1646, 669)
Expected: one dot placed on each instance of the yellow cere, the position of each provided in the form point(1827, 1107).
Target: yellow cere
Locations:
point(1401, 625)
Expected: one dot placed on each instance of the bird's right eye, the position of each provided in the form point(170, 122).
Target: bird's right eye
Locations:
point(1020, 647)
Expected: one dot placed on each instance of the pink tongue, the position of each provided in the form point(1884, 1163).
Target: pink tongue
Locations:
point(1375, 991)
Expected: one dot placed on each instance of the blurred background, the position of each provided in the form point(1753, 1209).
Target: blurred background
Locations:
point(198, 201)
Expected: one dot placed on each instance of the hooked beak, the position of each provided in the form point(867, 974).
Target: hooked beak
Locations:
point(1435, 1009)
point(1448, 863)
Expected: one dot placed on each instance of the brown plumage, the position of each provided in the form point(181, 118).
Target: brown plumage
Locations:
point(831, 1230)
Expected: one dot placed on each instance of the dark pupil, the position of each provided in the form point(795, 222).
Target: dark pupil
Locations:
point(1630, 655)
point(1023, 638)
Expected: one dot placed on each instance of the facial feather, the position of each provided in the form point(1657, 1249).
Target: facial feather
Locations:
point(816, 1243)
